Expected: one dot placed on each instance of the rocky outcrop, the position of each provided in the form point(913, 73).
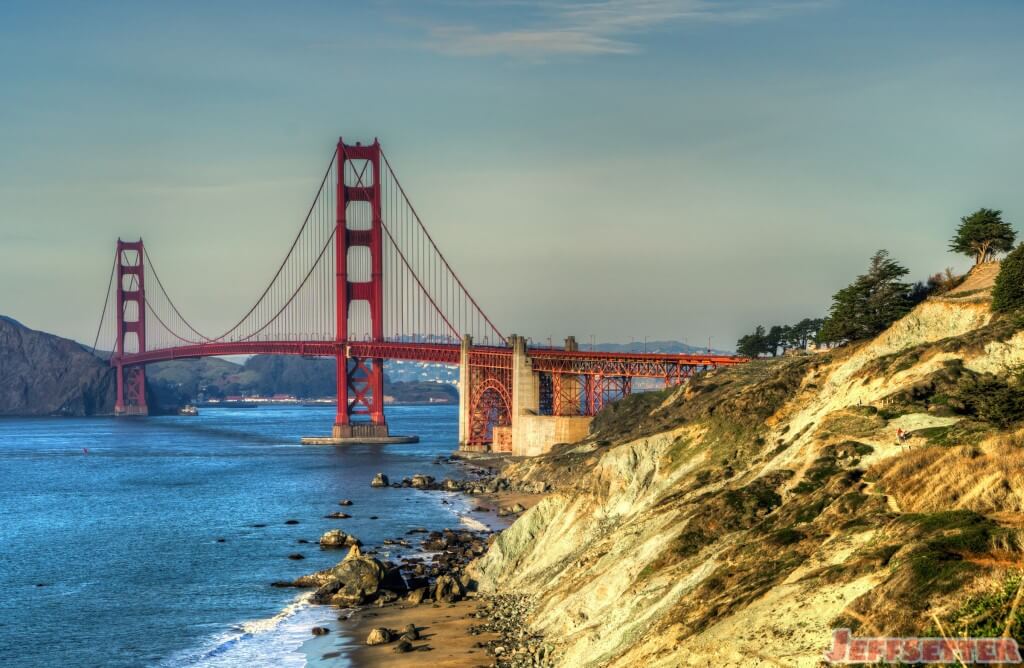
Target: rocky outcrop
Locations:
point(337, 538)
point(43, 374)
point(353, 581)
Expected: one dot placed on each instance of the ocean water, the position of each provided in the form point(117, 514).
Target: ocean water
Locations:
point(111, 557)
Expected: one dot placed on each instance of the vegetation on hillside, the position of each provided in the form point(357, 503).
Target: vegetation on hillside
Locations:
point(1008, 292)
point(871, 303)
point(778, 338)
point(982, 235)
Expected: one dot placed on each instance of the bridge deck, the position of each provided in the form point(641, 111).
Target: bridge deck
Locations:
point(654, 365)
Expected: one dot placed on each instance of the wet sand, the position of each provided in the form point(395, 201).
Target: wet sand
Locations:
point(445, 639)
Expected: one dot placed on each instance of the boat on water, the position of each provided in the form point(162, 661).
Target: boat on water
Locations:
point(188, 410)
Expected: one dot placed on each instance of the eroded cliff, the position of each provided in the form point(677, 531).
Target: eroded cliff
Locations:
point(740, 519)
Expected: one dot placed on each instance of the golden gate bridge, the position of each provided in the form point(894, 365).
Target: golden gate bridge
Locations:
point(364, 282)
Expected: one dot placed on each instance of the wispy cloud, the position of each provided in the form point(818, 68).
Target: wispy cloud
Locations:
point(561, 27)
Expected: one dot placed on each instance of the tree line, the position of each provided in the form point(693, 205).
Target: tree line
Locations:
point(881, 295)
point(778, 338)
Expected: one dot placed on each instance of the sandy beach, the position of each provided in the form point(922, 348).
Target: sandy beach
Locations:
point(444, 628)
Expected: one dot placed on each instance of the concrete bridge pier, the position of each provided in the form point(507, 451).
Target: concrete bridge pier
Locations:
point(528, 432)
point(467, 345)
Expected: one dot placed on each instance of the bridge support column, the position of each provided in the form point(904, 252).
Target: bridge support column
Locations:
point(131, 326)
point(360, 380)
point(525, 391)
point(567, 387)
point(532, 433)
point(464, 390)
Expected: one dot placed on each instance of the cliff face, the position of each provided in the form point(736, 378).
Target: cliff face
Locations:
point(42, 374)
point(739, 520)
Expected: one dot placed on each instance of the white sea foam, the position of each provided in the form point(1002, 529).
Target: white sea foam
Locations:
point(473, 523)
point(264, 625)
point(275, 641)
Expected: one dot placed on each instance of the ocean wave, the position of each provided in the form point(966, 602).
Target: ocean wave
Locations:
point(274, 641)
point(264, 625)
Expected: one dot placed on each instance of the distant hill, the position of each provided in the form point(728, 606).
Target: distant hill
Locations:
point(305, 378)
point(43, 374)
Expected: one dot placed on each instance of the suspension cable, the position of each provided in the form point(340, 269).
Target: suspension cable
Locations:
point(106, 301)
point(438, 250)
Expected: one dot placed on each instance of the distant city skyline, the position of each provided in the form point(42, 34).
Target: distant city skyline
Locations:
point(676, 169)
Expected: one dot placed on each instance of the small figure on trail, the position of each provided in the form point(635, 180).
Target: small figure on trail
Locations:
point(901, 436)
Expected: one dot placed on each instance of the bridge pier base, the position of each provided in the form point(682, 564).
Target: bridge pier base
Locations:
point(359, 433)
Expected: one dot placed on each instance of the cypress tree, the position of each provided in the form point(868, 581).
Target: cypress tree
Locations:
point(1008, 292)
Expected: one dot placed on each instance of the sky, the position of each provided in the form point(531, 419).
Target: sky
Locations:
point(671, 169)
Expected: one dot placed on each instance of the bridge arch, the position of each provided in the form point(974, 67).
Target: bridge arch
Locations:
point(490, 406)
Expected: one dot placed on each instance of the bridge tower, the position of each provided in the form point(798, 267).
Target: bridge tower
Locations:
point(131, 328)
point(360, 412)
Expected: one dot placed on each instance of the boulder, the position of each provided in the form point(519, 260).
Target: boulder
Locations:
point(352, 581)
point(385, 596)
point(448, 589)
point(379, 480)
point(338, 538)
point(337, 516)
point(416, 596)
point(344, 502)
point(296, 556)
point(420, 481)
point(393, 579)
point(378, 636)
point(514, 509)
point(404, 645)
point(320, 631)
point(450, 485)
point(411, 631)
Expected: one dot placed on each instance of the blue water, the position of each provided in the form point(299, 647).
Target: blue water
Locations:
point(124, 538)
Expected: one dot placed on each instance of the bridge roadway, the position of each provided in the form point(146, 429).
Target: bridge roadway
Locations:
point(511, 398)
point(551, 360)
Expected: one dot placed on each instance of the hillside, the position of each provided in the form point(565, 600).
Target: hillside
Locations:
point(43, 374)
point(181, 381)
point(739, 520)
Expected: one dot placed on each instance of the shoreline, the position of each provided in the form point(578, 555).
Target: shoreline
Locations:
point(446, 634)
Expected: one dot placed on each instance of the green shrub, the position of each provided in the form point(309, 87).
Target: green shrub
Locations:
point(994, 400)
point(1008, 293)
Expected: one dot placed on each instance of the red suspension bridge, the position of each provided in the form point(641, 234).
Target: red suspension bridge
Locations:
point(364, 282)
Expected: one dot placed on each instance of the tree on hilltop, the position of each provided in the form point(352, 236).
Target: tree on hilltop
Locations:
point(1008, 292)
point(803, 332)
point(752, 345)
point(869, 304)
point(774, 339)
point(983, 234)
point(778, 337)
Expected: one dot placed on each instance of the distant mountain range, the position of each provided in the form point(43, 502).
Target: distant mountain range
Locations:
point(666, 347)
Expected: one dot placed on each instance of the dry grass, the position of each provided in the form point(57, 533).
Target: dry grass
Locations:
point(985, 478)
